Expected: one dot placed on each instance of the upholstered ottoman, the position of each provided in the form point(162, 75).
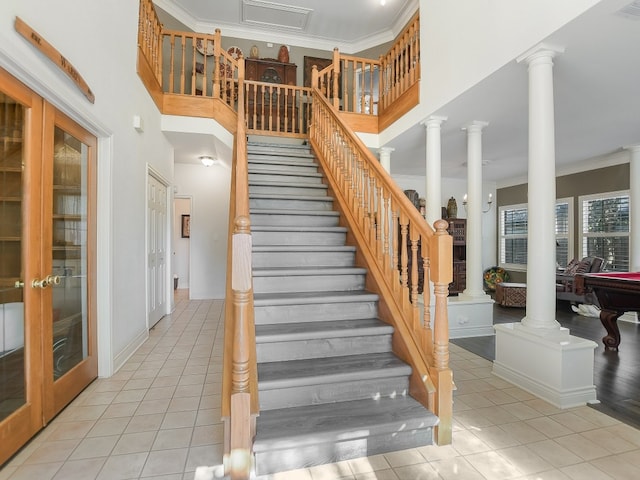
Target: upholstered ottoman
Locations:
point(511, 294)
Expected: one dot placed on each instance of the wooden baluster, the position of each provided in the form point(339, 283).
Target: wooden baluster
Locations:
point(387, 253)
point(404, 257)
point(372, 211)
point(365, 202)
point(380, 235)
point(336, 75)
point(172, 42)
point(415, 317)
point(395, 253)
point(426, 300)
point(182, 64)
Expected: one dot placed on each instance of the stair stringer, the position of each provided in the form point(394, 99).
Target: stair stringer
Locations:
point(404, 344)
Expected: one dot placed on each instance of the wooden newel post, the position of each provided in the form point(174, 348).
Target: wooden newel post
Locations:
point(441, 269)
point(335, 89)
point(239, 461)
point(216, 58)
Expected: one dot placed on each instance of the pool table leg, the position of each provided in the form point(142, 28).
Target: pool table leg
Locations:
point(609, 320)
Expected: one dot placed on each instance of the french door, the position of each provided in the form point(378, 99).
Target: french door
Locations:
point(47, 262)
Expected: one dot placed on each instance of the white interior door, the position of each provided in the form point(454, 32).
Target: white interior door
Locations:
point(156, 249)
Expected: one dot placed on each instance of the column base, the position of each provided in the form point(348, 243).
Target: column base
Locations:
point(551, 364)
point(470, 317)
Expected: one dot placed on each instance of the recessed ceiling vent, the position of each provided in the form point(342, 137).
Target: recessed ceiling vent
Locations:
point(631, 11)
point(275, 15)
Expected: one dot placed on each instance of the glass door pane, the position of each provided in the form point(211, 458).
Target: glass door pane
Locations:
point(12, 339)
point(69, 252)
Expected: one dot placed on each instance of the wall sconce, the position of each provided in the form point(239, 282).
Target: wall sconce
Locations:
point(489, 202)
point(207, 160)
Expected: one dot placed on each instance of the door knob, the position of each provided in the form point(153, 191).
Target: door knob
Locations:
point(53, 279)
point(35, 283)
point(19, 284)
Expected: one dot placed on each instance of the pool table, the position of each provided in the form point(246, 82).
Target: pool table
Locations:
point(617, 293)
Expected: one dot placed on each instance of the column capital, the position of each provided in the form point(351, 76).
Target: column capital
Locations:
point(540, 51)
point(475, 126)
point(386, 150)
point(433, 121)
point(632, 148)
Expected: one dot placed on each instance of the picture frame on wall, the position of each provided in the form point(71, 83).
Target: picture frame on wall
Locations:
point(186, 226)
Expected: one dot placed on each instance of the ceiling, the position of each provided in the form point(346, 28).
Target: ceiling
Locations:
point(596, 82)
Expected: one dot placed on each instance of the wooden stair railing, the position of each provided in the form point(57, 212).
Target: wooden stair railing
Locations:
point(392, 237)
point(240, 378)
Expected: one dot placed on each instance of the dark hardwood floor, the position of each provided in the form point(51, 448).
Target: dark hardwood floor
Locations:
point(617, 374)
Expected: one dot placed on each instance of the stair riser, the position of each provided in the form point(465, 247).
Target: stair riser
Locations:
point(277, 189)
point(290, 204)
point(308, 283)
point(256, 157)
point(302, 259)
point(341, 449)
point(298, 238)
point(272, 314)
point(322, 347)
point(280, 167)
point(335, 392)
point(276, 151)
point(282, 220)
point(274, 177)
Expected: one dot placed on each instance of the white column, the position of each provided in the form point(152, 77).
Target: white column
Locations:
point(537, 354)
point(474, 210)
point(433, 184)
point(541, 252)
point(385, 158)
point(634, 208)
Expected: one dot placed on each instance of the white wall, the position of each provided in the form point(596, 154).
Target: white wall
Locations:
point(99, 39)
point(464, 41)
point(456, 188)
point(209, 188)
point(181, 246)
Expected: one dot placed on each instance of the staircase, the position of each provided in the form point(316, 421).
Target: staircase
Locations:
point(330, 388)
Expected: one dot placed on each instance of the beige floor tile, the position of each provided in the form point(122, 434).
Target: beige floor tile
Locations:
point(618, 467)
point(548, 475)
point(207, 434)
point(525, 460)
point(493, 466)
point(166, 381)
point(475, 400)
point(80, 469)
point(160, 393)
point(435, 452)
point(173, 438)
point(78, 413)
point(95, 447)
point(522, 432)
point(126, 396)
point(163, 462)
point(595, 417)
point(368, 464)
point(179, 420)
point(574, 422)
point(109, 426)
point(520, 394)
point(421, 471)
point(70, 430)
point(554, 453)
point(583, 447)
point(144, 423)
point(584, 471)
point(543, 407)
point(521, 411)
point(123, 467)
point(54, 451)
point(404, 457)
point(183, 404)
point(121, 410)
point(96, 398)
point(495, 437)
point(148, 407)
point(301, 474)
point(456, 468)
point(44, 471)
point(466, 443)
point(625, 432)
point(331, 471)
point(548, 427)
point(134, 443)
point(188, 391)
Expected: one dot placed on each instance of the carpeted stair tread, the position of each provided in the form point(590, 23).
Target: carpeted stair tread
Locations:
point(290, 332)
point(298, 298)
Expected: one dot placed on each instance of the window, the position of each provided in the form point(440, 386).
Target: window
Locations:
point(605, 228)
point(514, 230)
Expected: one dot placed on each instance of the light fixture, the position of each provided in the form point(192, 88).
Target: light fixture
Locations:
point(207, 160)
point(489, 202)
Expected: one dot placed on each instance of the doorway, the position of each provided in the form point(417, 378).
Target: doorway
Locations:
point(181, 241)
point(48, 348)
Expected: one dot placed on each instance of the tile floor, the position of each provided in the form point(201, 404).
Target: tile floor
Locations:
point(158, 418)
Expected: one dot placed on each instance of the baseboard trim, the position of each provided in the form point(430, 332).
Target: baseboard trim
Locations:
point(124, 355)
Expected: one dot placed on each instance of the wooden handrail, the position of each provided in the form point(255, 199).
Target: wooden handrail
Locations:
point(240, 380)
point(394, 240)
